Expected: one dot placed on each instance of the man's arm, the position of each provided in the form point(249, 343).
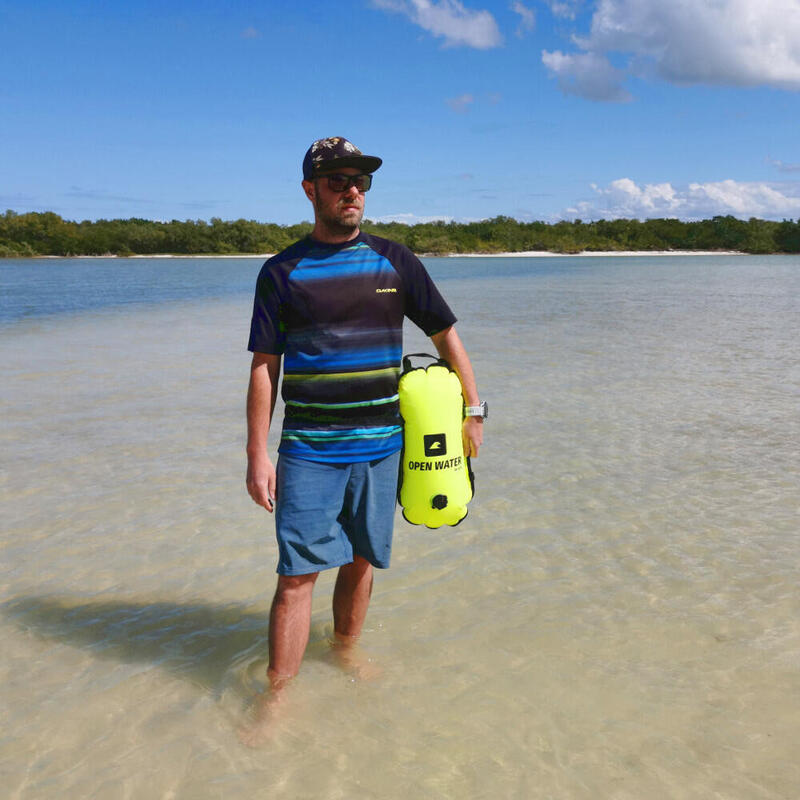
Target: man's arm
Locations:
point(261, 394)
point(449, 346)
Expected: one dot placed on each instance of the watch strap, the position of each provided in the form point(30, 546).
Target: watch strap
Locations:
point(481, 410)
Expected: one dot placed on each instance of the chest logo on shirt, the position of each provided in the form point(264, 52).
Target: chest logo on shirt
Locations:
point(384, 291)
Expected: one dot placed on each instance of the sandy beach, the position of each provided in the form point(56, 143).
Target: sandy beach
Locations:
point(509, 254)
point(599, 253)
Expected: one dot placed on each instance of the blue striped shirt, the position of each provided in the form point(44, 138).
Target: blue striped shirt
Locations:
point(335, 313)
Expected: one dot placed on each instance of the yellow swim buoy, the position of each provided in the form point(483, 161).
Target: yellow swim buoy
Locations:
point(436, 479)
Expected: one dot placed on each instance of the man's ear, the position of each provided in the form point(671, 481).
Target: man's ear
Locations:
point(310, 189)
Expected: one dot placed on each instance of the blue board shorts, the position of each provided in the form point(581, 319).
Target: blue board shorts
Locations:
point(327, 513)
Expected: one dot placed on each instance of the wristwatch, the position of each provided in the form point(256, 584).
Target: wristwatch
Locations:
point(481, 410)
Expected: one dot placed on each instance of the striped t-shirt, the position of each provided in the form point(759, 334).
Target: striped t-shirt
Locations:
point(336, 312)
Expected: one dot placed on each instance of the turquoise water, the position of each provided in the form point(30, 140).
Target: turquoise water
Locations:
point(617, 617)
point(35, 287)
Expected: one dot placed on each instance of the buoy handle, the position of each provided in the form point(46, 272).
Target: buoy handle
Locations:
point(407, 360)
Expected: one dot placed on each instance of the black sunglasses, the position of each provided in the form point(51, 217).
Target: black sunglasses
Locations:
point(341, 183)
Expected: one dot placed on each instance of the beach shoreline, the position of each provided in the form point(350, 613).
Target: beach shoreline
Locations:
point(599, 253)
point(505, 254)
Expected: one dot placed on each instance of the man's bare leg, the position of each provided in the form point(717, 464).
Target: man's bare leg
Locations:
point(350, 603)
point(289, 626)
point(351, 598)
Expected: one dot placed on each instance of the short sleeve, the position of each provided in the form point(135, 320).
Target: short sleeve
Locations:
point(424, 305)
point(267, 334)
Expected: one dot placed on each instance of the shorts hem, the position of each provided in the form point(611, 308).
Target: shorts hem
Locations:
point(324, 568)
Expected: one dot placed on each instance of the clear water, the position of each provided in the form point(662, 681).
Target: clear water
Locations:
point(618, 616)
point(34, 287)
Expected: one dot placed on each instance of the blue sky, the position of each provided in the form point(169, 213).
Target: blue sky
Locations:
point(549, 110)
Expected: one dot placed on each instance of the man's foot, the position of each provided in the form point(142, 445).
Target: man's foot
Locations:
point(352, 659)
point(265, 710)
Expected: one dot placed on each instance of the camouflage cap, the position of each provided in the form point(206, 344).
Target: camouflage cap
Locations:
point(333, 152)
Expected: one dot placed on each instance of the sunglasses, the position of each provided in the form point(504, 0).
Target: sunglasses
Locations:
point(341, 183)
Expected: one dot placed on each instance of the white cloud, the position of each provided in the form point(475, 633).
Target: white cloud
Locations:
point(566, 10)
point(587, 75)
point(251, 33)
point(450, 20)
point(460, 104)
point(716, 42)
point(625, 198)
point(527, 18)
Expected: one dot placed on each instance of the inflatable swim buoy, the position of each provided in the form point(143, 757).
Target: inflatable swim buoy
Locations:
point(436, 481)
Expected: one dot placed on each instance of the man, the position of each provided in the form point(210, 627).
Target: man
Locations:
point(332, 306)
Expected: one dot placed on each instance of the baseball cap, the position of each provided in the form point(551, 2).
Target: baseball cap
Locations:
point(335, 151)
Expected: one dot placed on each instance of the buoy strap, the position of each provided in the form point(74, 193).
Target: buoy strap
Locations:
point(438, 361)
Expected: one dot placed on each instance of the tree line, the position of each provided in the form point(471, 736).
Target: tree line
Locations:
point(47, 234)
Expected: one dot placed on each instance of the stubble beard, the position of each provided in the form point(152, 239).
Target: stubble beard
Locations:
point(341, 223)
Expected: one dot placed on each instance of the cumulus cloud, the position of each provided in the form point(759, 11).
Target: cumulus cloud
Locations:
point(587, 75)
point(527, 18)
point(450, 20)
point(714, 42)
point(627, 199)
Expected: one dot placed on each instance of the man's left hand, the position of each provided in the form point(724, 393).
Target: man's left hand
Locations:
point(472, 435)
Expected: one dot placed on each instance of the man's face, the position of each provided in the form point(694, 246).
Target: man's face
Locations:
point(339, 212)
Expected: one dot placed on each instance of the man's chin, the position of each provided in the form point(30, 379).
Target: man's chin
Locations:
point(350, 220)
point(343, 227)
point(351, 216)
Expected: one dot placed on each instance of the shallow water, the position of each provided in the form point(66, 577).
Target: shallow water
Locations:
point(618, 616)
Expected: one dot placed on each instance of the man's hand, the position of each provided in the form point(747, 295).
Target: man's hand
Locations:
point(449, 346)
point(261, 481)
point(472, 436)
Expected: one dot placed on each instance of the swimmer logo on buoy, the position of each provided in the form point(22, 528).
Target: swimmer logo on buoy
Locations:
point(436, 481)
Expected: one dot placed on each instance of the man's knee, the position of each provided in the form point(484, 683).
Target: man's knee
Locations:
point(358, 566)
point(295, 587)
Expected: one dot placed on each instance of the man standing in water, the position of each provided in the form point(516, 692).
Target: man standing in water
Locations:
point(332, 307)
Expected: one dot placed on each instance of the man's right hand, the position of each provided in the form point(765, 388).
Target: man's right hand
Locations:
point(261, 483)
